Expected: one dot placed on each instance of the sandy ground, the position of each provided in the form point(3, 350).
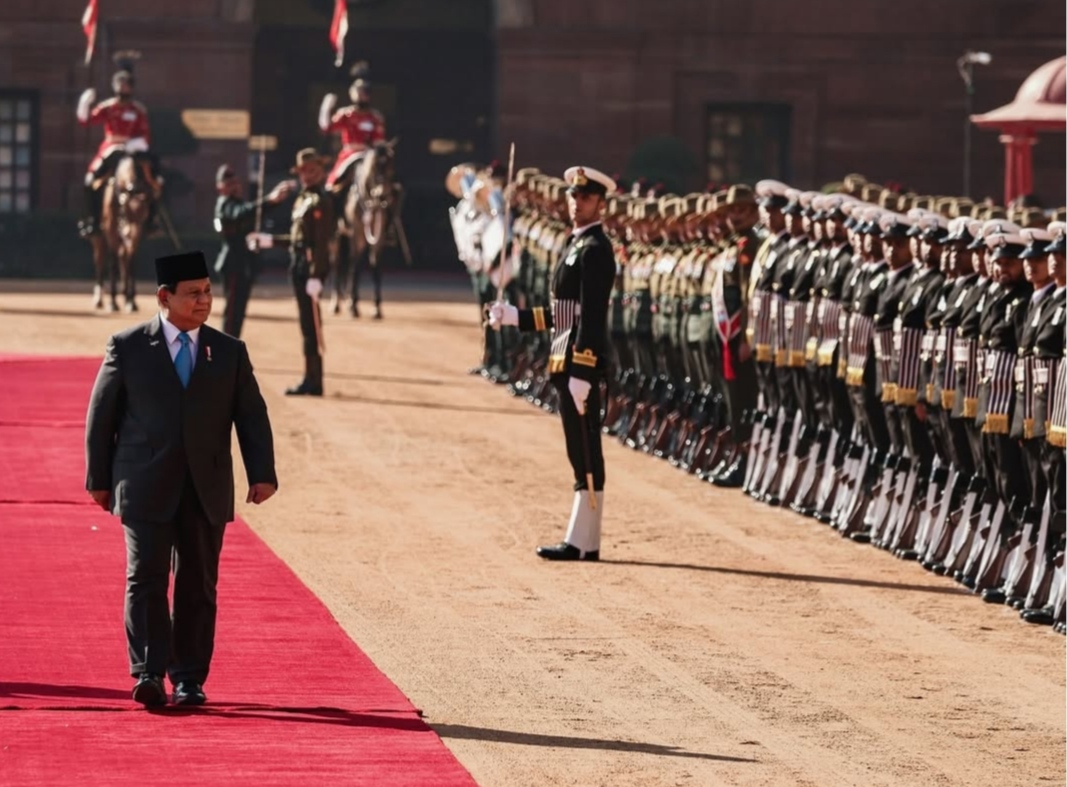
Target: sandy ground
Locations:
point(720, 643)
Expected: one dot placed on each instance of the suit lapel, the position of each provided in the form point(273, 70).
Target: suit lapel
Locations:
point(204, 351)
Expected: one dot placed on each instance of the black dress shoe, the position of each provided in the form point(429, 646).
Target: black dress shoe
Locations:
point(732, 478)
point(149, 691)
point(1039, 617)
point(993, 596)
point(304, 389)
point(861, 537)
point(189, 692)
point(564, 551)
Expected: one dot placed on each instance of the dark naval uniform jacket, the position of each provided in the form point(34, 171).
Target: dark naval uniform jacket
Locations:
point(578, 317)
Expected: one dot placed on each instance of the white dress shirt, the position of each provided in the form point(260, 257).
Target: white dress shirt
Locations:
point(170, 333)
point(577, 231)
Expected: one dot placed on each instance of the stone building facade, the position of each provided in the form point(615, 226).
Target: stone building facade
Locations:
point(806, 90)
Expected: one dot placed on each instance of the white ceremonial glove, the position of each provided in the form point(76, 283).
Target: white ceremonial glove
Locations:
point(502, 314)
point(579, 392)
point(313, 288)
point(259, 240)
point(85, 103)
point(329, 101)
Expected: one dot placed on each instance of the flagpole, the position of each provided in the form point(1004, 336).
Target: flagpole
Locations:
point(339, 30)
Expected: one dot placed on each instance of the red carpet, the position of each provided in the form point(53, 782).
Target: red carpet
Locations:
point(293, 699)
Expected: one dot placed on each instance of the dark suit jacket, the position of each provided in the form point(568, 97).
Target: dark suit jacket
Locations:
point(145, 433)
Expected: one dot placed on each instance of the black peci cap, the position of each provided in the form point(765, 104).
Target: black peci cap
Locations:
point(186, 266)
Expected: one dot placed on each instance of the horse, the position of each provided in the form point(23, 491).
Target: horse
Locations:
point(126, 202)
point(372, 205)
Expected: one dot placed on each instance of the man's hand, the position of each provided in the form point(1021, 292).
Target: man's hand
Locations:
point(85, 104)
point(259, 240)
point(502, 314)
point(279, 192)
point(744, 351)
point(579, 392)
point(313, 288)
point(259, 493)
point(102, 497)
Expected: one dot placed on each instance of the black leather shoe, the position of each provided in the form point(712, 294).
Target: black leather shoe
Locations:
point(304, 389)
point(189, 692)
point(733, 478)
point(564, 551)
point(993, 596)
point(149, 691)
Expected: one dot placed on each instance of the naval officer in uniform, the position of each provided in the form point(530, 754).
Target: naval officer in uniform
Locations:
point(577, 363)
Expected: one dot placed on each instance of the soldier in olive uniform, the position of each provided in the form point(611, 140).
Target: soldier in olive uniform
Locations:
point(313, 227)
point(236, 263)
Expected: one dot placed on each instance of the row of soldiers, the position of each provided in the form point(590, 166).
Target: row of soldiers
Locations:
point(889, 364)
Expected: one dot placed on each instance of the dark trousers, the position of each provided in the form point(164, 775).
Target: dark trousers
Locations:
point(833, 391)
point(1033, 454)
point(581, 431)
point(306, 309)
point(741, 392)
point(237, 286)
point(1055, 469)
point(895, 427)
point(869, 412)
point(962, 453)
point(787, 392)
point(807, 401)
point(1005, 468)
point(916, 437)
point(180, 645)
point(768, 385)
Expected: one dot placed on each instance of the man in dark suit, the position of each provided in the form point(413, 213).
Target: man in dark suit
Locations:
point(578, 358)
point(157, 444)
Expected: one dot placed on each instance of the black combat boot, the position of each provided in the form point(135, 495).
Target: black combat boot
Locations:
point(312, 382)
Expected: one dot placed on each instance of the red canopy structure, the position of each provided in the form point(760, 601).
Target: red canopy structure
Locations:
point(1040, 105)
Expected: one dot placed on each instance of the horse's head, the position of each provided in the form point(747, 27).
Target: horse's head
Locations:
point(384, 155)
point(128, 176)
point(378, 172)
point(132, 194)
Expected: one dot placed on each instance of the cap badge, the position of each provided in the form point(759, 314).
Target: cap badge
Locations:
point(579, 177)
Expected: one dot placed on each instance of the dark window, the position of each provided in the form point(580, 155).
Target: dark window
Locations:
point(747, 142)
point(18, 148)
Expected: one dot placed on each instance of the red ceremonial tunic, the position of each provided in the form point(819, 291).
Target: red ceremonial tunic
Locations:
point(122, 120)
point(359, 130)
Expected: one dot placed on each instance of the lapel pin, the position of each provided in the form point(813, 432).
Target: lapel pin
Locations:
point(207, 351)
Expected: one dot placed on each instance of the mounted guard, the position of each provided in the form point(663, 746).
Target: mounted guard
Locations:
point(126, 132)
point(360, 126)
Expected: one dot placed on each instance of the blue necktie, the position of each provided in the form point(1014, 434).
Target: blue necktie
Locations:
point(183, 361)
